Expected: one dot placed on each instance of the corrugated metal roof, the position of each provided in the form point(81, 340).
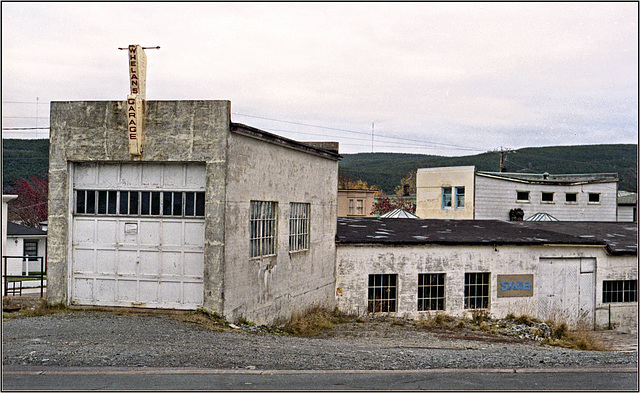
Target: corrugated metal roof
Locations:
point(627, 198)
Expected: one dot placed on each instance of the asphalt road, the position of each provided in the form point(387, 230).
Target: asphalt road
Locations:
point(33, 378)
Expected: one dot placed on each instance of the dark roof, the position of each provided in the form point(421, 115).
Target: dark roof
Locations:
point(617, 237)
point(14, 229)
point(312, 148)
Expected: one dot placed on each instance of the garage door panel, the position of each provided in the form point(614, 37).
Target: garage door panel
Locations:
point(107, 261)
point(172, 234)
point(108, 175)
point(152, 176)
point(84, 231)
point(106, 232)
point(105, 290)
point(149, 263)
point(83, 260)
point(127, 290)
point(171, 292)
point(149, 233)
point(127, 263)
point(171, 264)
point(193, 233)
point(193, 264)
point(127, 259)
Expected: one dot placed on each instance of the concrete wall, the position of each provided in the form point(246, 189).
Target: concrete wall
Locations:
point(495, 197)
point(15, 247)
point(270, 289)
point(367, 197)
point(356, 262)
point(429, 183)
point(182, 131)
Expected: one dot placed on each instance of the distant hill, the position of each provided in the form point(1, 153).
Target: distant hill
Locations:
point(385, 170)
point(29, 157)
point(24, 158)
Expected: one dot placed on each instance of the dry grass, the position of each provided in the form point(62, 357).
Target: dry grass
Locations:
point(314, 321)
point(37, 311)
point(581, 338)
point(204, 319)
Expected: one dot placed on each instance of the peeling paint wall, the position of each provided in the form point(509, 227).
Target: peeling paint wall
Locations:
point(356, 262)
point(270, 289)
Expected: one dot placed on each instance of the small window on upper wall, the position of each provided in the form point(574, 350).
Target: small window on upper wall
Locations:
point(594, 197)
point(547, 197)
point(522, 196)
point(571, 197)
point(446, 197)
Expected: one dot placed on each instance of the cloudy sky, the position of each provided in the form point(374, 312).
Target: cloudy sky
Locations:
point(433, 78)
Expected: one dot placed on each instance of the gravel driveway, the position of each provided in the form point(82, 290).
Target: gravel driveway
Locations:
point(96, 338)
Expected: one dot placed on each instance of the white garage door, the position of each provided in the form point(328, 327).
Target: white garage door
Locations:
point(138, 235)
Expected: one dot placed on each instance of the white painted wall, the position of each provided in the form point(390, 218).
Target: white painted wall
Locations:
point(15, 247)
point(356, 262)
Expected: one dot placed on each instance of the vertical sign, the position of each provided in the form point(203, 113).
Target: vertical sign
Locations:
point(138, 84)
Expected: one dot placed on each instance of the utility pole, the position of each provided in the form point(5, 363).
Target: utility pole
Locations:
point(371, 137)
point(502, 152)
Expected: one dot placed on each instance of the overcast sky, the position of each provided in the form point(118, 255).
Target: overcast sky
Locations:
point(433, 78)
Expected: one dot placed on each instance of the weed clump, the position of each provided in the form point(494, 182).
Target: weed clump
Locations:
point(314, 321)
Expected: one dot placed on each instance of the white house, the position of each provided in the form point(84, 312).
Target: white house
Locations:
point(465, 193)
point(572, 271)
point(627, 206)
point(28, 242)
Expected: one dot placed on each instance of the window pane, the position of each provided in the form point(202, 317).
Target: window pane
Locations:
point(133, 202)
point(124, 202)
point(167, 203)
point(446, 197)
point(189, 203)
point(91, 202)
point(459, 197)
point(113, 199)
point(145, 207)
point(200, 204)
point(102, 202)
point(155, 203)
point(177, 203)
point(80, 202)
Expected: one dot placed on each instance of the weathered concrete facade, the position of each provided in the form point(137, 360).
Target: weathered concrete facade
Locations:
point(356, 262)
point(199, 132)
point(564, 275)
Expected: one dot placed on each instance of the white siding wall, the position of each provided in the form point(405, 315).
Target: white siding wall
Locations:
point(627, 213)
point(495, 197)
point(15, 247)
point(355, 263)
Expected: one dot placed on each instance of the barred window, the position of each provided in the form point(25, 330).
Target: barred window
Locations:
point(382, 295)
point(430, 291)
point(620, 291)
point(476, 290)
point(140, 203)
point(263, 228)
point(299, 226)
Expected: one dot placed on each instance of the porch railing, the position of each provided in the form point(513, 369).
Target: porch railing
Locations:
point(13, 283)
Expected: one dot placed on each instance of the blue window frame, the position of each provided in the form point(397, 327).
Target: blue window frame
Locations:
point(453, 197)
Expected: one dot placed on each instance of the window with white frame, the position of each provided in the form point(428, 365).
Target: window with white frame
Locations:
point(446, 197)
point(382, 293)
point(571, 197)
point(299, 226)
point(351, 206)
point(619, 291)
point(262, 228)
point(594, 197)
point(431, 291)
point(30, 248)
point(476, 290)
point(547, 197)
point(459, 197)
point(360, 207)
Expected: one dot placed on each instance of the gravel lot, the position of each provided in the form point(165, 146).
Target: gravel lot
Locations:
point(97, 338)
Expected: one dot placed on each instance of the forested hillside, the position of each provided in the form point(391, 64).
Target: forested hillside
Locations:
point(24, 158)
point(385, 170)
point(29, 157)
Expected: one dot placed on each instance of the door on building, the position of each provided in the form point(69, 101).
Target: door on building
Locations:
point(137, 238)
point(566, 290)
point(30, 249)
